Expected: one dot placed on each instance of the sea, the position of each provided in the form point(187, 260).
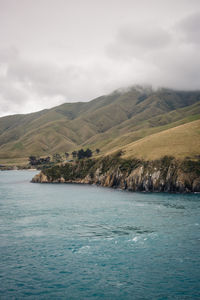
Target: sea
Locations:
point(73, 241)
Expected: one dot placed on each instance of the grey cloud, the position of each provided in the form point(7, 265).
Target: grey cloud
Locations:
point(8, 54)
point(78, 52)
point(136, 41)
point(189, 28)
point(36, 85)
point(167, 59)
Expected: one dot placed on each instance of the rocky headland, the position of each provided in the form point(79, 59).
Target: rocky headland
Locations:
point(164, 175)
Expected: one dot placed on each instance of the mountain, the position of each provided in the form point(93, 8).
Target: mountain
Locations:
point(110, 122)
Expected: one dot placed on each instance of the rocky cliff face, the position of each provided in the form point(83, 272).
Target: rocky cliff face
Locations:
point(164, 175)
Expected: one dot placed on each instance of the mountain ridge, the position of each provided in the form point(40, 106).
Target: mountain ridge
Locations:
point(106, 122)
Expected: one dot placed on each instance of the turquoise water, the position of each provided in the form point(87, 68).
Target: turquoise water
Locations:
point(64, 241)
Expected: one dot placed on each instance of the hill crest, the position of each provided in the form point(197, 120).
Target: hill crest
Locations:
point(107, 122)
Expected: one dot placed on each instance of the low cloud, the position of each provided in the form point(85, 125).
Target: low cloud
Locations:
point(134, 41)
point(169, 57)
point(188, 29)
point(138, 54)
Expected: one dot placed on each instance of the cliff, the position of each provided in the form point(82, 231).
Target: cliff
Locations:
point(163, 175)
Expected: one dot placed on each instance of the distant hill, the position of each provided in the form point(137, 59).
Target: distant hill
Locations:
point(139, 120)
point(181, 142)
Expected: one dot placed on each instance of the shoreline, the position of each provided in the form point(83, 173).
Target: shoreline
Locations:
point(118, 188)
point(164, 175)
point(18, 169)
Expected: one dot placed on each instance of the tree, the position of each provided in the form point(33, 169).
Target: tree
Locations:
point(32, 160)
point(88, 153)
point(57, 158)
point(66, 155)
point(38, 161)
point(74, 154)
point(83, 154)
point(44, 160)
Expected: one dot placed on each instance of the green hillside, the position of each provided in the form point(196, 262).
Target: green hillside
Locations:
point(108, 122)
point(181, 142)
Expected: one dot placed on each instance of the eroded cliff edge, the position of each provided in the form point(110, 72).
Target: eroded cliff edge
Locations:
point(163, 175)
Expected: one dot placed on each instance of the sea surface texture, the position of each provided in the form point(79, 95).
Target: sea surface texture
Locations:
point(70, 241)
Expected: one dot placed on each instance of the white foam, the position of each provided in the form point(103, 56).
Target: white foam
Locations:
point(136, 238)
point(84, 249)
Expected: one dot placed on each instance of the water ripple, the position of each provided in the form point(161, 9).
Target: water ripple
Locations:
point(107, 231)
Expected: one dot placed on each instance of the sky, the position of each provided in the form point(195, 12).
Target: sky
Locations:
point(56, 51)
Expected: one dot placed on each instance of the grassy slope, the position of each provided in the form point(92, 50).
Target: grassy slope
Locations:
point(107, 122)
point(181, 141)
point(115, 138)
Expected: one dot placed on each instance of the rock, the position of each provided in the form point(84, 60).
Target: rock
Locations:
point(153, 176)
point(40, 178)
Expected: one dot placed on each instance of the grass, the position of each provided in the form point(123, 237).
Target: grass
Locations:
point(109, 123)
point(181, 141)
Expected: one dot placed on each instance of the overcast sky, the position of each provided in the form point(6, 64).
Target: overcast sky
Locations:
point(55, 51)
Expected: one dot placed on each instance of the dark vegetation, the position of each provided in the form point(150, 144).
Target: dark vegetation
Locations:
point(83, 167)
point(57, 158)
point(71, 171)
point(84, 154)
point(66, 155)
point(74, 154)
point(46, 162)
point(191, 166)
point(162, 175)
point(36, 161)
point(33, 161)
point(80, 154)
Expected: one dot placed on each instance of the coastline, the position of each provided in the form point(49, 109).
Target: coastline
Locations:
point(164, 175)
point(6, 168)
